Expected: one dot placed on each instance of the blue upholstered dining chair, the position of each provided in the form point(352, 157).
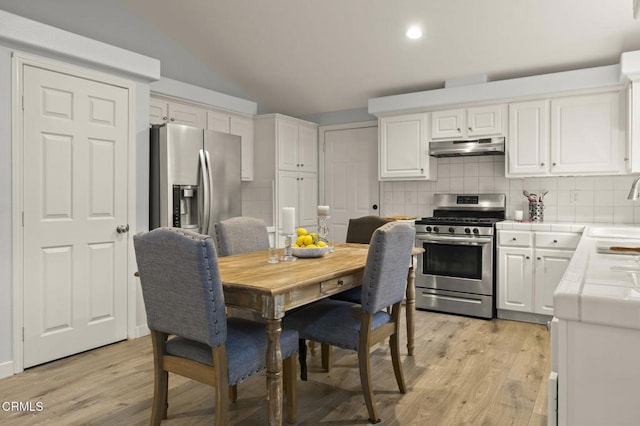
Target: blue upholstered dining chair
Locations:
point(359, 326)
point(190, 332)
point(241, 235)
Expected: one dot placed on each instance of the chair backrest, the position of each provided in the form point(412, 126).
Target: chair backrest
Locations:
point(361, 229)
point(385, 274)
point(181, 284)
point(241, 235)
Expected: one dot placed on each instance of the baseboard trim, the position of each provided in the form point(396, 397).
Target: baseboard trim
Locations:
point(141, 331)
point(524, 316)
point(6, 369)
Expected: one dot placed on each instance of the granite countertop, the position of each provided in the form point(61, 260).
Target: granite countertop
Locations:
point(601, 286)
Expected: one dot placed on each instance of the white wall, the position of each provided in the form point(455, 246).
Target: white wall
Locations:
point(6, 312)
point(601, 199)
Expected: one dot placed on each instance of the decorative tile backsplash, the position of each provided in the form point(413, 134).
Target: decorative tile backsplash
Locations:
point(601, 199)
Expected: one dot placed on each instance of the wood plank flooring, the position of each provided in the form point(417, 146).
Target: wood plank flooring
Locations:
point(465, 372)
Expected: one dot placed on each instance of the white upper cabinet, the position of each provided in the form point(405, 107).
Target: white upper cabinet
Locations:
point(404, 149)
point(585, 134)
point(572, 135)
point(161, 111)
point(527, 149)
point(297, 146)
point(475, 122)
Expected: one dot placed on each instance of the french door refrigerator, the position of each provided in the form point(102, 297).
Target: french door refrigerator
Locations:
point(195, 177)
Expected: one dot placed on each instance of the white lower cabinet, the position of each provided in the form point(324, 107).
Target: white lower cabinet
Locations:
point(530, 267)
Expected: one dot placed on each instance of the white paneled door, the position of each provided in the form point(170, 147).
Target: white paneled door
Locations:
point(75, 196)
point(351, 176)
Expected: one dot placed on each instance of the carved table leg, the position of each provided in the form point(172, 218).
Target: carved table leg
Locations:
point(411, 306)
point(274, 372)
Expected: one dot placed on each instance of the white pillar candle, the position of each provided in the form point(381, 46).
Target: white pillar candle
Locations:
point(518, 215)
point(323, 210)
point(288, 220)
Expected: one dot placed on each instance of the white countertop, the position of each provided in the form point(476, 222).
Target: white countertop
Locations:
point(540, 226)
point(599, 287)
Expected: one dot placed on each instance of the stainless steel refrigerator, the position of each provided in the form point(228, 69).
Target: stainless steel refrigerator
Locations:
point(195, 177)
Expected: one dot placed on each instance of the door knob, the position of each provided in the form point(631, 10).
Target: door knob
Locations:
point(122, 229)
point(375, 207)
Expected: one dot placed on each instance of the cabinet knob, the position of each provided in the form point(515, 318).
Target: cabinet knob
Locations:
point(165, 118)
point(470, 129)
point(538, 258)
point(553, 164)
point(172, 119)
point(542, 164)
point(458, 129)
point(527, 257)
point(555, 241)
point(514, 239)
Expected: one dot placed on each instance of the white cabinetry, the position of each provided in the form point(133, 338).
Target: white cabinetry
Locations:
point(164, 111)
point(530, 267)
point(475, 122)
point(528, 142)
point(572, 135)
point(221, 121)
point(585, 134)
point(288, 152)
point(404, 149)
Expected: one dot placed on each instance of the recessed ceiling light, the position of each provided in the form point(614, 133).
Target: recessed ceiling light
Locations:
point(414, 32)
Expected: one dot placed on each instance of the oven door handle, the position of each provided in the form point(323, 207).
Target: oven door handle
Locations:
point(435, 239)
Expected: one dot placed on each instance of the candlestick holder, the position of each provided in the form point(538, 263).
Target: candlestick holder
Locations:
point(288, 241)
point(323, 231)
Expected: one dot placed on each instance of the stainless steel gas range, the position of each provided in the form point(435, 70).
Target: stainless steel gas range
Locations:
point(455, 273)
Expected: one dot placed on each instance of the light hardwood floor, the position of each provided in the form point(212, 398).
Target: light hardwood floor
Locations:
point(465, 372)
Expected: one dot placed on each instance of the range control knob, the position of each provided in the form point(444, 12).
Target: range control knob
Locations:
point(428, 229)
point(475, 231)
point(467, 230)
point(451, 230)
point(435, 229)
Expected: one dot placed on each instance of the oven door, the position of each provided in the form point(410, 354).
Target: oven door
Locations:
point(455, 263)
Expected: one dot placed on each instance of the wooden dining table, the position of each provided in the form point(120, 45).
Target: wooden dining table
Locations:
point(272, 289)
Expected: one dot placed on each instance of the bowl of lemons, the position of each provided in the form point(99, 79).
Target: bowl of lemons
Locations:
point(308, 245)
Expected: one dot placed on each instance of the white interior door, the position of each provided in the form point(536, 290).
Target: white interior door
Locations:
point(74, 196)
point(351, 176)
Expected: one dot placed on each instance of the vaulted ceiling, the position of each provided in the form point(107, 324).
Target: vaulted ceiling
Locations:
point(302, 57)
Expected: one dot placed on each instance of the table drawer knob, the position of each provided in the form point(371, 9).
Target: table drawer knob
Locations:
point(340, 283)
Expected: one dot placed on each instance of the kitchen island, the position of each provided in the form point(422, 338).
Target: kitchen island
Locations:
point(595, 334)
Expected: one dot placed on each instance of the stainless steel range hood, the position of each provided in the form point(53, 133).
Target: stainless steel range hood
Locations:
point(488, 146)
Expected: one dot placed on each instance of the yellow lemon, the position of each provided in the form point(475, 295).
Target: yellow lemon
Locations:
point(301, 231)
point(308, 239)
point(300, 240)
point(321, 244)
point(311, 246)
point(315, 236)
point(295, 245)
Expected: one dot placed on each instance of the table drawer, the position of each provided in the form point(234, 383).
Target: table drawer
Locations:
point(515, 238)
point(337, 285)
point(557, 240)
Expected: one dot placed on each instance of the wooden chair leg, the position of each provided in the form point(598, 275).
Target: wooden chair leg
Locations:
point(161, 379)
point(325, 350)
point(233, 393)
point(302, 358)
point(365, 382)
point(222, 385)
point(290, 388)
point(395, 359)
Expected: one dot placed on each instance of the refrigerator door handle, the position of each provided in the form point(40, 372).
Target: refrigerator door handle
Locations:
point(210, 226)
point(204, 210)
